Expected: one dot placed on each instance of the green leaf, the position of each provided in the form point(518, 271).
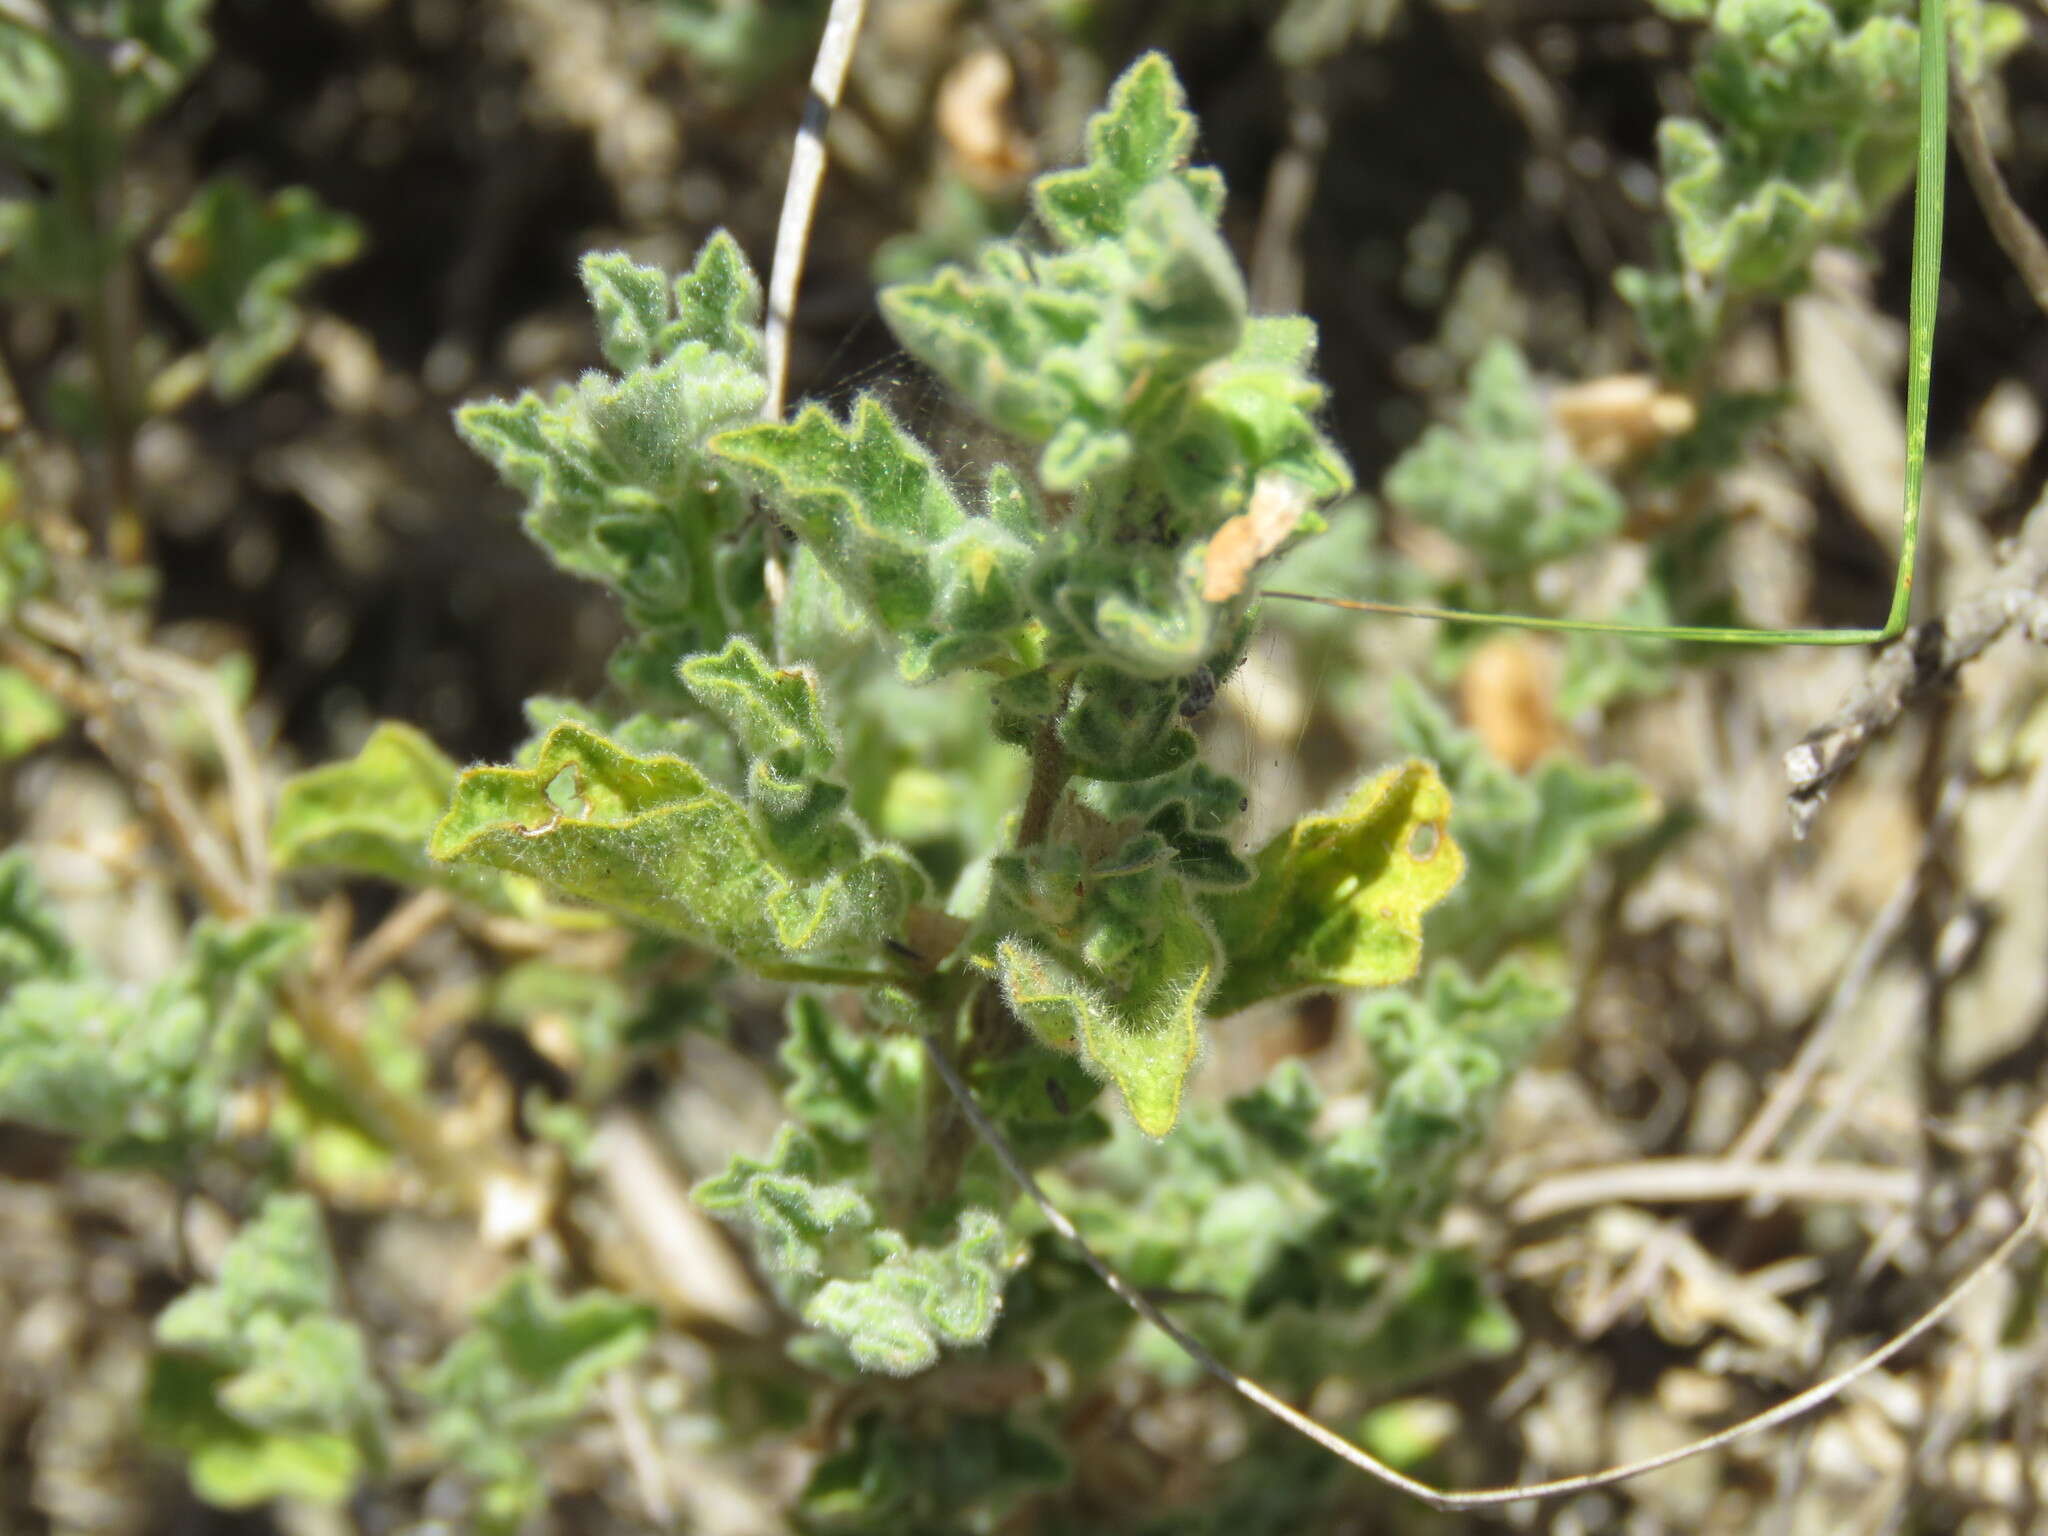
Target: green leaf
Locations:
point(1442, 1059)
point(139, 1075)
point(521, 1374)
point(1141, 1028)
point(831, 1068)
point(650, 838)
point(618, 483)
point(1494, 481)
point(1142, 138)
point(947, 1472)
point(235, 262)
point(873, 508)
point(778, 720)
point(897, 1317)
point(799, 1221)
point(33, 946)
point(264, 1388)
point(373, 814)
point(1338, 900)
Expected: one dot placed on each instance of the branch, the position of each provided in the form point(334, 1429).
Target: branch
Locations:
point(1921, 662)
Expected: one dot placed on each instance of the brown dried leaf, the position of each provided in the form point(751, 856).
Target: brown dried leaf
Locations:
point(1507, 693)
point(1241, 543)
point(973, 115)
point(1621, 417)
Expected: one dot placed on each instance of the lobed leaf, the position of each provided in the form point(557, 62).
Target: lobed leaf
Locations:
point(897, 1317)
point(1338, 900)
point(1495, 482)
point(235, 261)
point(650, 838)
point(373, 814)
point(521, 1374)
point(874, 510)
point(136, 1074)
point(263, 1387)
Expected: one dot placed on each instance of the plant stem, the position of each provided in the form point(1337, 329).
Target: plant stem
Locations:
point(1049, 774)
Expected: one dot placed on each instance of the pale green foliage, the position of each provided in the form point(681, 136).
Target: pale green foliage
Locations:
point(137, 1073)
point(263, 1387)
point(1812, 109)
point(1157, 406)
point(874, 511)
point(522, 1373)
point(71, 94)
point(1527, 839)
point(1442, 1059)
point(233, 261)
point(892, 1306)
point(1497, 482)
point(614, 471)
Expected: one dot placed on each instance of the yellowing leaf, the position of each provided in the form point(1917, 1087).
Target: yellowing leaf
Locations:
point(1338, 900)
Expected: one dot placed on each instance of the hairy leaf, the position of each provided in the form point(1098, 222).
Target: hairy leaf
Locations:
point(619, 486)
point(373, 814)
point(1338, 900)
point(1495, 481)
point(898, 1316)
point(873, 508)
point(264, 1387)
point(650, 838)
point(140, 1074)
point(521, 1374)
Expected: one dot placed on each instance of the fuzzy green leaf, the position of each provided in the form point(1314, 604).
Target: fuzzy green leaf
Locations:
point(1140, 139)
point(264, 1388)
point(1338, 900)
point(1443, 1059)
point(140, 1075)
point(1494, 481)
point(618, 484)
point(650, 838)
point(1141, 1027)
point(896, 1318)
point(874, 509)
point(235, 262)
point(522, 1373)
point(799, 1222)
point(831, 1068)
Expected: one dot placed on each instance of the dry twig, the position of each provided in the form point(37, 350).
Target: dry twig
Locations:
point(1919, 663)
